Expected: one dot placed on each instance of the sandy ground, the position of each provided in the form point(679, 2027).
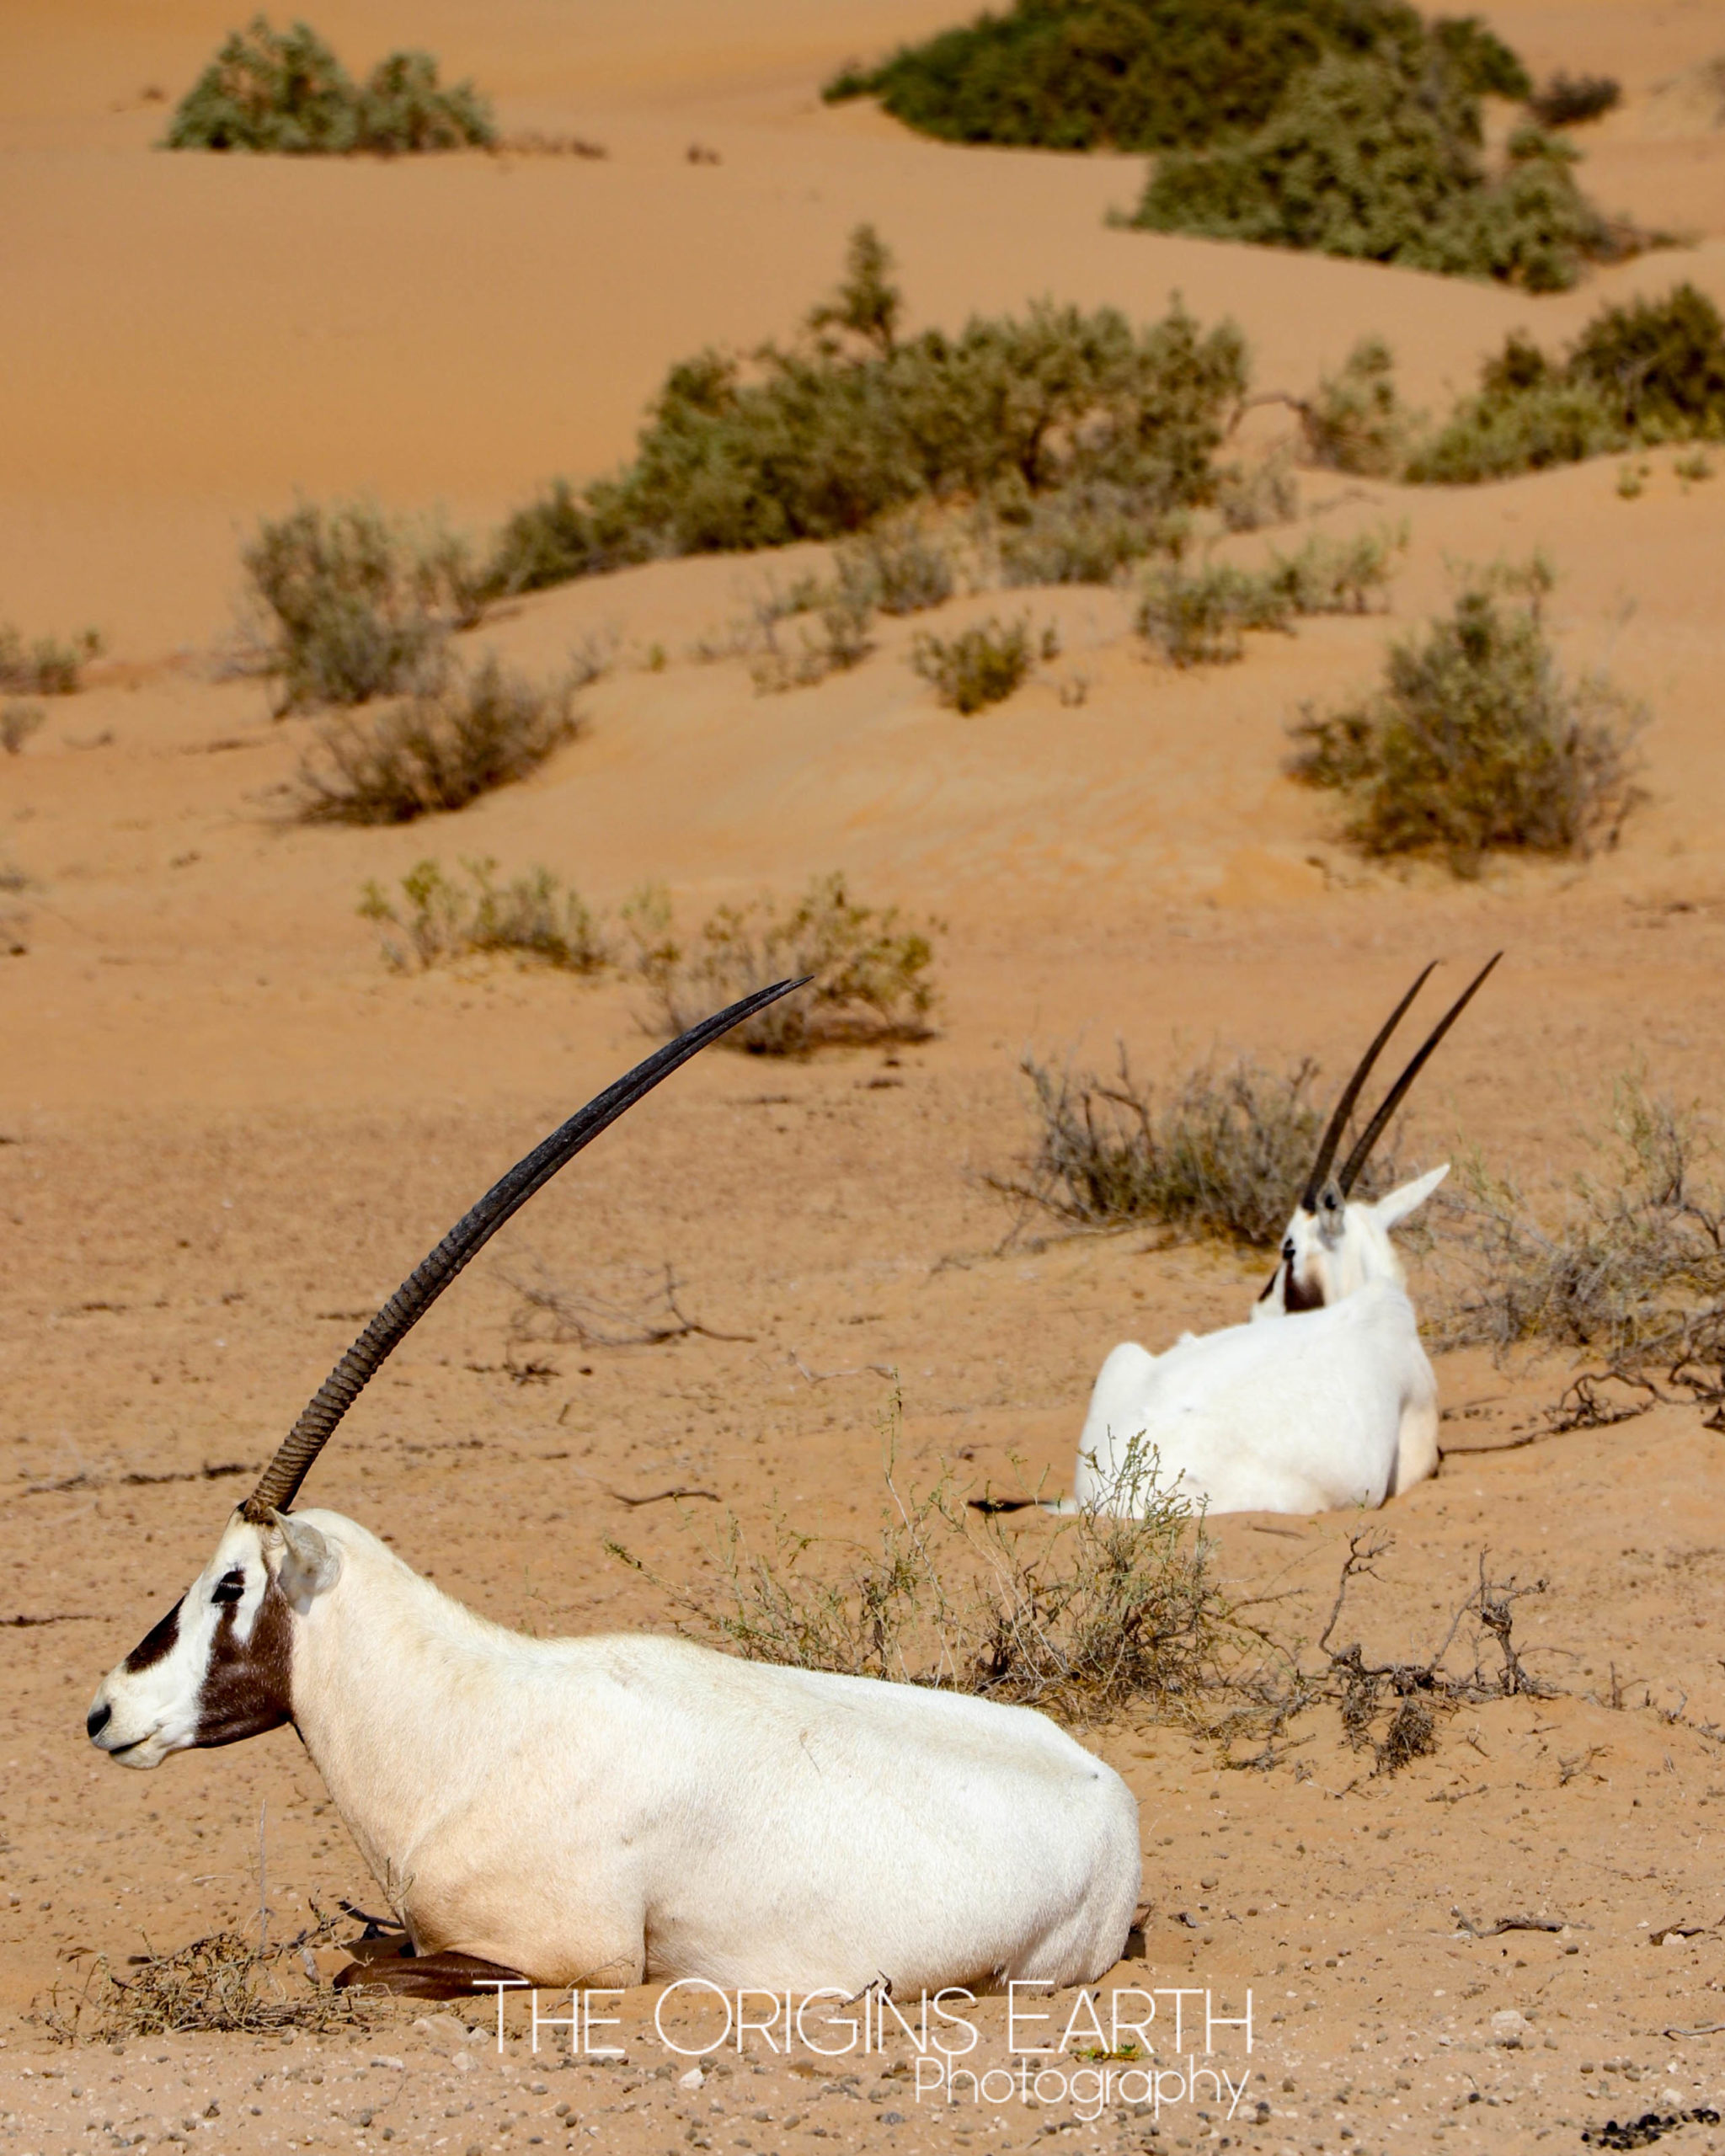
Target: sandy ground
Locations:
point(228, 1128)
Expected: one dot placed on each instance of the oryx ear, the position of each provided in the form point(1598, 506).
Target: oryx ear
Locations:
point(310, 1563)
point(1393, 1210)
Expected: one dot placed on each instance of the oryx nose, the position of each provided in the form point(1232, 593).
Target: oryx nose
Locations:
point(96, 1720)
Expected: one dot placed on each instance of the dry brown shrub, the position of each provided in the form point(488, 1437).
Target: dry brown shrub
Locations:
point(224, 1983)
point(1082, 1614)
point(1223, 1151)
point(467, 735)
point(1633, 1267)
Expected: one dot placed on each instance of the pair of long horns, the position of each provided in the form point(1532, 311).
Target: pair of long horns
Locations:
point(427, 1281)
point(1350, 1169)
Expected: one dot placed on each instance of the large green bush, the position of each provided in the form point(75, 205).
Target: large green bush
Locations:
point(1150, 74)
point(1368, 159)
point(1647, 371)
point(820, 441)
point(285, 91)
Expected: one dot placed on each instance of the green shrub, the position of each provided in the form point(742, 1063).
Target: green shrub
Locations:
point(1198, 617)
point(1149, 74)
point(356, 605)
point(285, 91)
point(440, 748)
point(823, 440)
point(982, 664)
point(533, 916)
point(1658, 365)
point(1476, 741)
point(870, 973)
point(1356, 422)
point(1362, 159)
point(1568, 100)
point(47, 667)
point(1646, 371)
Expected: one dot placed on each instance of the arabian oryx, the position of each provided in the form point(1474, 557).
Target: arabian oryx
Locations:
point(1333, 1405)
point(609, 1810)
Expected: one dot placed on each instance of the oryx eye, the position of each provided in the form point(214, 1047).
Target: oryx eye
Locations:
point(229, 1588)
point(1288, 1248)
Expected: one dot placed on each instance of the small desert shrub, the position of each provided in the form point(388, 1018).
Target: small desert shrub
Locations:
point(437, 750)
point(47, 667)
point(854, 423)
point(1249, 497)
point(1633, 1269)
point(1222, 1153)
point(1083, 1616)
point(1147, 74)
point(355, 605)
point(841, 641)
point(1476, 741)
point(1357, 422)
point(982, 664)
point(17, 723)
point(1198, 617)
point(285, 91)
point(1083, 533)
point(1568, 100)
point(1364, 159)
point(1642, 371)
point(897, 567)
point(870, 972)
point(14, 920)
point(223, 1984)
point(438, 918)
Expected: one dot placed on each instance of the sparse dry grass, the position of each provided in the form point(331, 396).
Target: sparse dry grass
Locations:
point(1222, 1152)
point(871, 973)
point(223, 1984)
point(436, 751)
point(438, 917)
point(1629, 1267)
point(1081, 1615)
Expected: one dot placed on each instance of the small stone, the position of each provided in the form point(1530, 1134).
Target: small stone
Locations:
point(694, 2078)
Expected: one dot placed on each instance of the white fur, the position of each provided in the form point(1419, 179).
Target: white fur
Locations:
point(616, 1809)
point(1328, 1408)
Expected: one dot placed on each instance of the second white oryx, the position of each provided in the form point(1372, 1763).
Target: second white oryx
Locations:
point(1329, 1402)
point(602, 1810)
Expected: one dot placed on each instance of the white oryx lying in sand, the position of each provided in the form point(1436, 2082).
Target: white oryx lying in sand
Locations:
point(1333, 1404)
point(603, 1811)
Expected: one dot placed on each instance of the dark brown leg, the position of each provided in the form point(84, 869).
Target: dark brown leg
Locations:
point(427, 1976)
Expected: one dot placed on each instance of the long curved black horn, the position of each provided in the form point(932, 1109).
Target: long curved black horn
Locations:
point(1393, 1099)
point(1344, 1107)
point(427, 1281)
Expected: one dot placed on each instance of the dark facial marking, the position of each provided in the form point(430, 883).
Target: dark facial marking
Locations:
point(156, 1643)
point(1294, 1297)
point(248, 1683)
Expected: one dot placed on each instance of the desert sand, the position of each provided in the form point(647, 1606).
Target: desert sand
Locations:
point(227, 1128)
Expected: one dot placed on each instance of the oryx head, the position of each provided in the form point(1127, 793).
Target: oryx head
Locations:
point(1335, 1243)
point(219, 1666)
